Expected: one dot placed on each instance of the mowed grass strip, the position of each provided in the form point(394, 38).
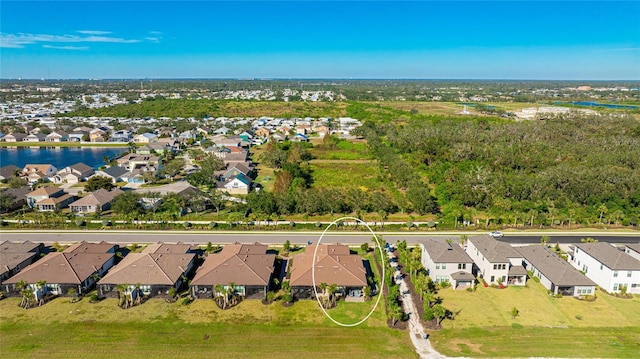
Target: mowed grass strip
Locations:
point(539, 342)
point(545, 326)
point(162, 330)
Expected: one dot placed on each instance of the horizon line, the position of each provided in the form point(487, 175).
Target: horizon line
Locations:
point(308, 79)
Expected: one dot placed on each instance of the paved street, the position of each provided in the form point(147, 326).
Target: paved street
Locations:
point(299, 238)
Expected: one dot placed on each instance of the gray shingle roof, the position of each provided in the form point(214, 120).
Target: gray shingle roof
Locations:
point(634, 246)
point(441, 252)
point(610, 256)
point(556, 269)
point(494, 250)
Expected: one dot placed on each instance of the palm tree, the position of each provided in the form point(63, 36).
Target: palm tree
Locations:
point(331, 290)
point(440, 313)
point(42, 286)
point(430, 297)
point(220, 296)
point(396, 313)
point(27, 297)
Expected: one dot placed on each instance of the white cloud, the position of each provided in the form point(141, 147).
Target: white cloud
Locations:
point(21, 39)
point(94, 32)
point(68, 47)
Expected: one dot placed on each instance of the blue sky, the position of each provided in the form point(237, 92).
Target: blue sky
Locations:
point(321, 39)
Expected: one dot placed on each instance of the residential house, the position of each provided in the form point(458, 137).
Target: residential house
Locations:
point(96, 201)
point(299, 138)
point(608, 266)
point(332, 264)
point(77, 267)
point(633, 249)
point(447, 262)
point(18, 197)
point(78, 135)
point(9, 171)
point(497, 262)
point(154, 148)
point(73, 174)
point(262, 132)
point(233, 169)
point(17, 255)
point(46, 169)
point(121, 136)
point(97, 135)
point(239, 184)
point(247, 266)
point(153, 272)
point(221, 131)
point(115, 173)
point(556, 274)
point(57, 136)
point(14, 137)
point(54, 203)
point(133, 161)
point(34, 137)
point(232, 141)
point(145, 137)
point(41, 193)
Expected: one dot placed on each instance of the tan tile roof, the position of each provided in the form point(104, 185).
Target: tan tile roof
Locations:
point(149, 269)
point(44, 191)
point(333, 264)
point(89, 247)
point(60, 267)
point(242, 264)
point(160, 247)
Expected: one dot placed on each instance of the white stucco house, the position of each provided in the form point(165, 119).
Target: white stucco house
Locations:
point(555, 274)
point(447, 262)
point(633, 249)
point(497, 262)
point(607, 265)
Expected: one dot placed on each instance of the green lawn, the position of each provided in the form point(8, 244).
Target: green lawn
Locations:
point(546, 326)
point(158, 329)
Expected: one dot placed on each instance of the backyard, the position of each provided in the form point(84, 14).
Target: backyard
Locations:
point(544, 326)
point(159, 329)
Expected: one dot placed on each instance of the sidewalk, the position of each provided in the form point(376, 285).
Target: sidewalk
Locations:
point(416, 330)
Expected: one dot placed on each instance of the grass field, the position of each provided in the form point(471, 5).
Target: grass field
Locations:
point(346, 150)
point(546, 326)
point(168, 330)
point(332, 175)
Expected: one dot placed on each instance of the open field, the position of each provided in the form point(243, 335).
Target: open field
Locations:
point(546, 326)
point(345, 150)
point(333, 175)
point(167, 330)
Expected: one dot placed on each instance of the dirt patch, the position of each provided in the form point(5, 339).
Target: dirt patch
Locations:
point(456, 345)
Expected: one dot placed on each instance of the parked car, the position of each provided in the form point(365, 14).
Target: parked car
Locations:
point(496, 234)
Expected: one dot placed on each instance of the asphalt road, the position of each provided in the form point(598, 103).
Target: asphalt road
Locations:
point(124, 237)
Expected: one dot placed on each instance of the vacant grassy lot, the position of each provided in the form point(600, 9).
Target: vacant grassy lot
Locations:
point(333, 175)
point(546, 326)
point(345, 150)
point(158, 329)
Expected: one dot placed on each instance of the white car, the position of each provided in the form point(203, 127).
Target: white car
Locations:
point(496, 234)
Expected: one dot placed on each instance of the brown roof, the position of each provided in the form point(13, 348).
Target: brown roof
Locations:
point(149, 269)
point(54, 200)
point(160, 247)
point(87, 247)
point(98, 197)
point(634, 246)
point(333, 264)
point(242, 264)
point(19, 247)
point(44, 191)
point(9, 260)
point(62, 268)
